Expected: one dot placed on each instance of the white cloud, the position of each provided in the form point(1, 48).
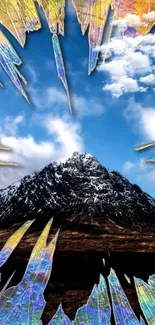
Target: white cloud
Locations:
point(150, 176)
point(148, 80)
point(10, 124)
point(31, 154)
point(142, 118)
point(65, 133)
point(128, 166)
point(33, 76)
point(140, 170)
point(50, 65)
point(57, 99)
point(150, 16)
point(87, 106)
point(134, 20)
point(130, 20)
point(124, 85)
point(137, 63)
point(129, 60)
point(138, 166)
point(147, 123)
point(116, 68)
point(47, 97)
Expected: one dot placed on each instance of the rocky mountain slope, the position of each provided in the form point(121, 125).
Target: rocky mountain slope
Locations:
point(80, 190)
point(101, 213)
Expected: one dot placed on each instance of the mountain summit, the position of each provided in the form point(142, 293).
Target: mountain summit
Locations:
point(79, 190)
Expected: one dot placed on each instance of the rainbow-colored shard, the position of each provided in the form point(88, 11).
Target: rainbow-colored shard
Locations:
point(92, 14)
point(20, 17)
point(146, 297)
point(5, 163)
point(60, 66)
point(146, 146)
point(98, 310)
point(55, 13)
point(123, 312)
point(60, 318)
point(9, 60)
point(13, 241)
point(24, 303)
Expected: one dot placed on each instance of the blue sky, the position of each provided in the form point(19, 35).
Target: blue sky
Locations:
point(104, 125)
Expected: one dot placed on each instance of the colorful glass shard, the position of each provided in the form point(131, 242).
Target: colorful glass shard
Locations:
point(60, 66)
point(92, 14)
point(123, 312)
point(8, 60)
point(146, 297)
point(19, 17)
point(97, 310)
point(60, 318)
point(4, 163)
point(150, 160)
point(144, 146)
point(55, 13)
point(2, 147)
point(25, 303)
point(13, 241)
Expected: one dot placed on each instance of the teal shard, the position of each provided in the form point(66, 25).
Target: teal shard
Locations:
point(123, 312)
point(142, 322)
point(9, 60)
point(60, 66)
point(151, 280)
point(146, 297)
point(97, 310)
point(13, 241)
point(24, 303)
point(60, 318)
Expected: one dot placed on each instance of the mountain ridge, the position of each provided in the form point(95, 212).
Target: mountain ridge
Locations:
point(79, 189)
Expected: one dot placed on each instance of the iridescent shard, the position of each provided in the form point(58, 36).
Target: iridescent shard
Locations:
point(93, 14)
point(146, 297)
point(60, 318)
point(55, 13)
point(139, 8)
point(123, 312)
point(98, 310)
point(24, 303)
point(13, 241)
point(60, 66)
point(145, 146)
point(8, 282)
point(150, 160)
point(19, 17)
point(2, 147)
point(9, 59)
point(4, 163)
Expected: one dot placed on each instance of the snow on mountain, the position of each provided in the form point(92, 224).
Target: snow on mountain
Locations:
point(78, 188)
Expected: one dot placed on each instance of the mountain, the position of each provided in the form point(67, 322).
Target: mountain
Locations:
point(101, 214)
point(80, 191)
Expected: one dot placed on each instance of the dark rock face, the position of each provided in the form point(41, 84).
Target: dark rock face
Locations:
point(80, 190)
point(101, 214)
